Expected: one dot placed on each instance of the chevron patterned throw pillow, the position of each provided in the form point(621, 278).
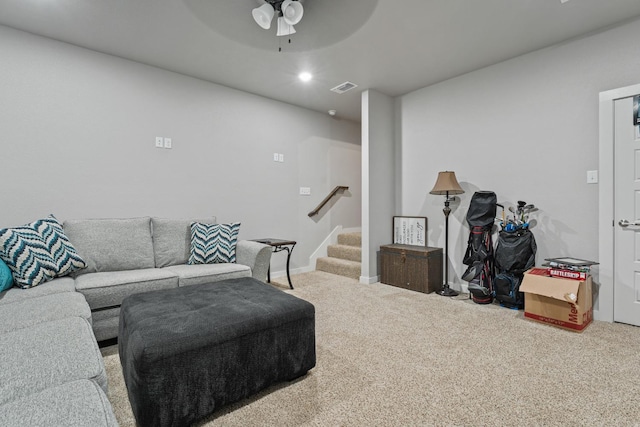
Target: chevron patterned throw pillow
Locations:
point(38, 252)
point(213, 243)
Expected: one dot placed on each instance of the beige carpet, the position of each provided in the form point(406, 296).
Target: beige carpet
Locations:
point(392, 357)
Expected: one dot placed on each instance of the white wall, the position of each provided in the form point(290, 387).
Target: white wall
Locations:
point(378, 178)
point(525, 128)
point(78, 131)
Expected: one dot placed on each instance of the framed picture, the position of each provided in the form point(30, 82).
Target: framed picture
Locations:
point(410, 230)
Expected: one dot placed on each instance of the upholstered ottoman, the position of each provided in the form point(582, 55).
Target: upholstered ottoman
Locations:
point(186, 352)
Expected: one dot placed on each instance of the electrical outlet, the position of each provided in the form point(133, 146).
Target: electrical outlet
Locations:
point(275, 157)
point(305, 191)
point(281, 158)
point(167, 143)
point(159, 142)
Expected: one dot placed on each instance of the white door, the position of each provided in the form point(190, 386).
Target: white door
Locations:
point(626, 291)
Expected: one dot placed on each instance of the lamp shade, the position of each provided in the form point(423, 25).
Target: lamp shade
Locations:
point(284, 29)
point(447, 184)
point(292, 11)
point(263, 15)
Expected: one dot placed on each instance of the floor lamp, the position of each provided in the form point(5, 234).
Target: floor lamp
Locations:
point(445, 185)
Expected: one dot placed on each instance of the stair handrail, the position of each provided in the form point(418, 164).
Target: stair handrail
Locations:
point(326, 199)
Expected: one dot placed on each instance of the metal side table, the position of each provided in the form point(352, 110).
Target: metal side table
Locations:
point(279, 245)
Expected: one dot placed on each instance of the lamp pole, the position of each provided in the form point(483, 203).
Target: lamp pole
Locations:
point(445, 184)
point(446, 290)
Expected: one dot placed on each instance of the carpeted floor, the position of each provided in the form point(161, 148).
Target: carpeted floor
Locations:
point(392, 357)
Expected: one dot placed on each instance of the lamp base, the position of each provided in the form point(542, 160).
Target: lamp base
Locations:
point(448, 292)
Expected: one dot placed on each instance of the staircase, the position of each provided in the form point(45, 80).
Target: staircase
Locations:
point(344, 258)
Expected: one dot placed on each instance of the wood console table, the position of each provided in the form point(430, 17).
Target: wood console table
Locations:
point(279, 245)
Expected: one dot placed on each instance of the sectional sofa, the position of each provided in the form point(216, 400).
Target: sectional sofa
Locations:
point(128, 256)
point(51, 369)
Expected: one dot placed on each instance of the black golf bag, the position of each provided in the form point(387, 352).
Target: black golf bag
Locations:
point(515, 254)
point(479, 254)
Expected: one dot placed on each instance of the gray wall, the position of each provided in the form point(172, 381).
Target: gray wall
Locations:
point(378, 178)
point(78, 133)
point(526, 129)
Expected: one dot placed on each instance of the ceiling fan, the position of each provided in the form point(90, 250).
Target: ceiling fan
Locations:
point(289, 13)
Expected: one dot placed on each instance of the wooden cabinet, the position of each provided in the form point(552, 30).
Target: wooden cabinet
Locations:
point(411, 267)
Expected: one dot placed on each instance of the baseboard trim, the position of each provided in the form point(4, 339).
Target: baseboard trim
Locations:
point(283, 273)
point(369, 280)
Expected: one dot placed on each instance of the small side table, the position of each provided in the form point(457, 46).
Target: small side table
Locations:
point(279, 245)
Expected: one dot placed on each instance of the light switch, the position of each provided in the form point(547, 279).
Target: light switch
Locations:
point(592, 177)
point(281, 158)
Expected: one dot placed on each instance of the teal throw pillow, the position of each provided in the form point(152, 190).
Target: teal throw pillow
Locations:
point(6, 278)
point(38, 252)
point(213, 243)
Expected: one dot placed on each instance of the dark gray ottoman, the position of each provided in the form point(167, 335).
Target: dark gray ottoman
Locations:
point(186, 352)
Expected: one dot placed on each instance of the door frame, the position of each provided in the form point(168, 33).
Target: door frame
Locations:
point(606, 220)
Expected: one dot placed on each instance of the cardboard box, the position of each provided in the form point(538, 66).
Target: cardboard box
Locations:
point(565, 303)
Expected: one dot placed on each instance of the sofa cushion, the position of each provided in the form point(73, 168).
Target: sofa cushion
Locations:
point(79, 403)
point(29, 312)
point(104, 290)
point(213, 243)
point(105, 323)
point(112, 244)
point(38, 252)
point(172, 240)
point(206, 273)
point(46, 355)
point(55, 286)
point(6, 277)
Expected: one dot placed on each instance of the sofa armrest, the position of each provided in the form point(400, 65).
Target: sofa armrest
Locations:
point(255, 255)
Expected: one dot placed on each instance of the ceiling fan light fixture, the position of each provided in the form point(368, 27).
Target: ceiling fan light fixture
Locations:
point(292, 11)
point(284, 29)
point(263, 15)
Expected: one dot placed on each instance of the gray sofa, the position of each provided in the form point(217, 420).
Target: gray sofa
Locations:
point(128, 256)
point(51, 369)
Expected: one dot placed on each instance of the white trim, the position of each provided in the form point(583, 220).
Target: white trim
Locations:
point(464, 287)
point(603, 307)
point(321, 251)
point(369, 280)
point(283, 273)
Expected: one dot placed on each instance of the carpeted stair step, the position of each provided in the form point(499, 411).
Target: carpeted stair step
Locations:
point(339, 266)
point(350, 239)
point(350, 253)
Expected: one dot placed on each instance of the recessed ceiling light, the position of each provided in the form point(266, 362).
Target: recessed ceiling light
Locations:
point(305, 77)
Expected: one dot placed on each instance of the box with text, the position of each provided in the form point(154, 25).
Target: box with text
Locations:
point(565, 303)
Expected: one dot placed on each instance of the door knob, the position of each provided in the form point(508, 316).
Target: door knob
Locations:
point(626, 223)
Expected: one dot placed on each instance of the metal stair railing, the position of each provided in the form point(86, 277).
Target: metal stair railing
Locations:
point(339, 188)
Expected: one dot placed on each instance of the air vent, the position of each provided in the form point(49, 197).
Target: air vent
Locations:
point(344, 87)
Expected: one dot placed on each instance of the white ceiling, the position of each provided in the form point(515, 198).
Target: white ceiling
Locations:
point(393, 46)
